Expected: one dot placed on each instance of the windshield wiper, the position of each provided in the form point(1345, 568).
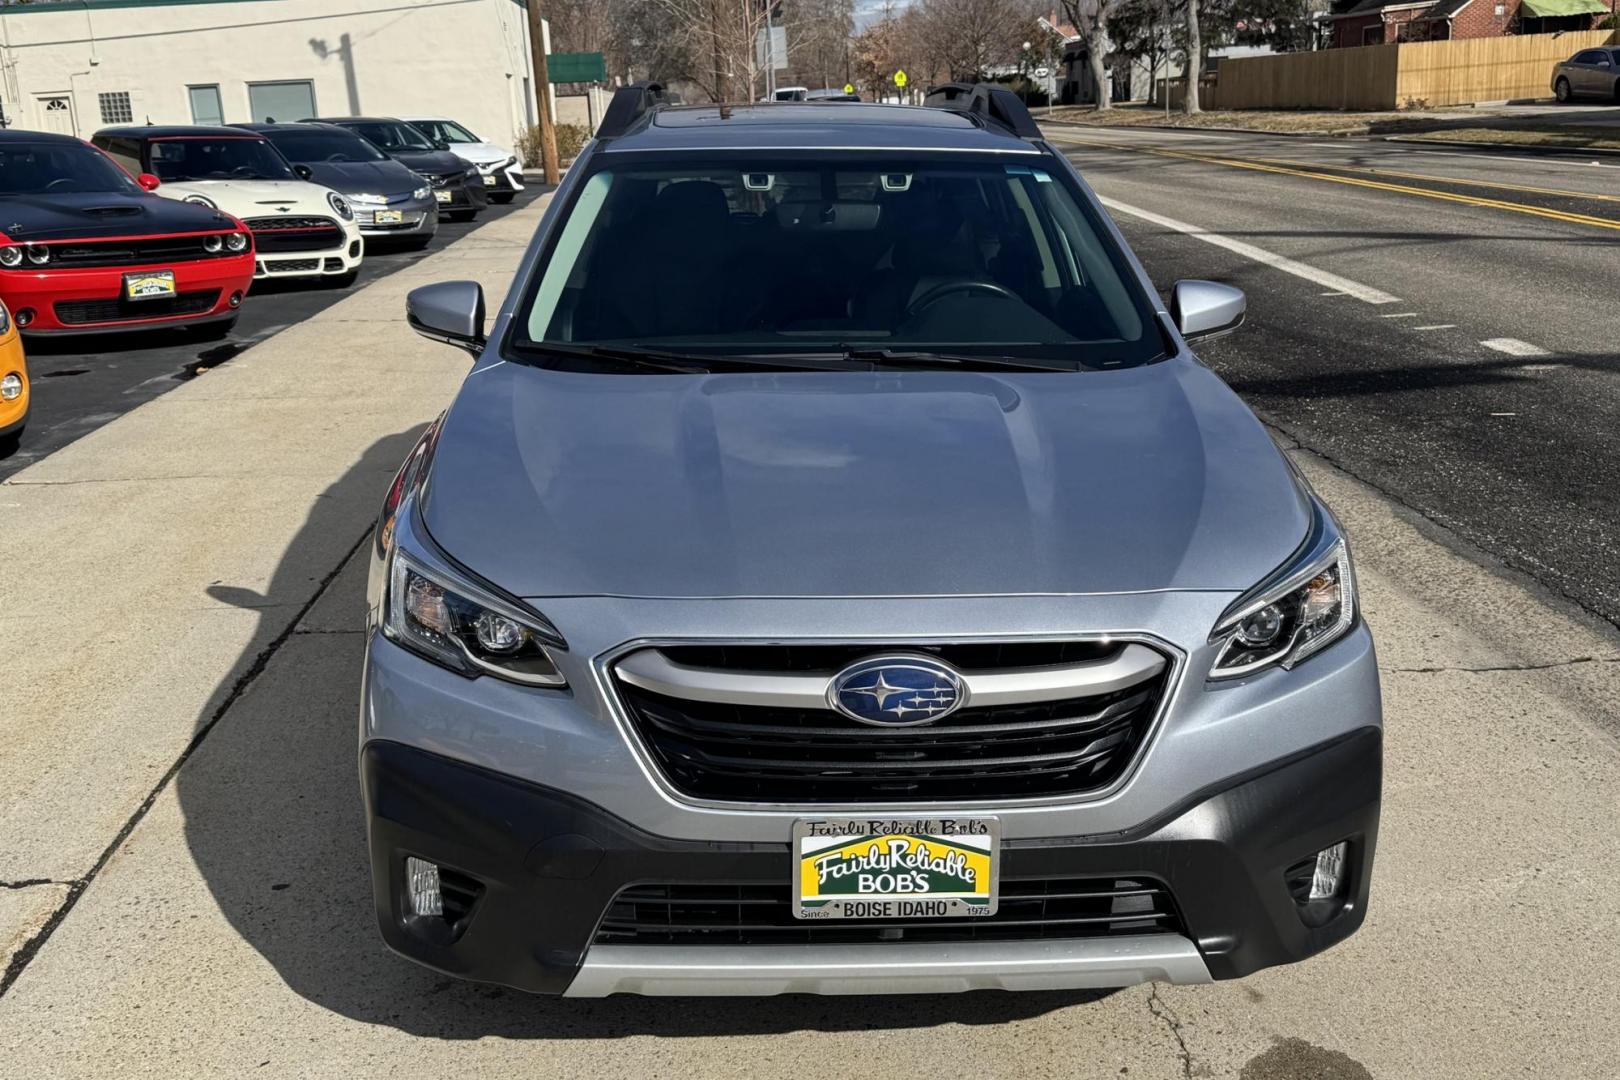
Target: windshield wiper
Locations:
point(659, 360)
point(923, 358)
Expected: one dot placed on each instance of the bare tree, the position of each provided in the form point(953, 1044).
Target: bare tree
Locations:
point(971, 37)
point(1090, 19)
point(1195, 60)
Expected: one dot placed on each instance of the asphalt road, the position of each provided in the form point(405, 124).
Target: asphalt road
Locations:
point(80, 384)
point(1466, 365)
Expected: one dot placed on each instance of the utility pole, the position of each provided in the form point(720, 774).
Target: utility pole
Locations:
point(542, 93)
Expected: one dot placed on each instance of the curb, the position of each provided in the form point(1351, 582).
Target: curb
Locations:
point(1337, 133)
point(1522, 148)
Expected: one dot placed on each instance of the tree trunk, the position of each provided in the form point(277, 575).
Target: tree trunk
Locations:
point(1096, 41)
point(1195, 60)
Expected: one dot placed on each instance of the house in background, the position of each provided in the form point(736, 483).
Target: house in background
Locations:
point(1381, 22)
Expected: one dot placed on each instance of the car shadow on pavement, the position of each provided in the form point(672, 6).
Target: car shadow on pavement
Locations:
point(273, 821)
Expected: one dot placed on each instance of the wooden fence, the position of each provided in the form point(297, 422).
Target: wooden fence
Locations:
point(1427, 74)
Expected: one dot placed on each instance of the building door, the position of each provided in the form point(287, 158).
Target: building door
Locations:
point(281, 102)
point(55, 113)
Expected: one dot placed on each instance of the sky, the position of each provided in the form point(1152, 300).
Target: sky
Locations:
point(867, 10)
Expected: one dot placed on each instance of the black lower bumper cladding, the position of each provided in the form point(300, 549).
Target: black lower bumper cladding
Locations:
point(538, 869)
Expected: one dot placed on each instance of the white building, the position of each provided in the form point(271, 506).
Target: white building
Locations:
point(75, 67)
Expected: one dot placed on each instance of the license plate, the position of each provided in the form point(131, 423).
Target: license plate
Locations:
point(389, 217)
point(489, 181)
point(895, 868)
point(442, 196)
point(149, 285)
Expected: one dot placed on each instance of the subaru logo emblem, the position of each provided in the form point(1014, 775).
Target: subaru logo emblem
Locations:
point(897, 691)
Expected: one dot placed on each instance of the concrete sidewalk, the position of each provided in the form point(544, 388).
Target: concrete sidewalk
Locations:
point(143, 560)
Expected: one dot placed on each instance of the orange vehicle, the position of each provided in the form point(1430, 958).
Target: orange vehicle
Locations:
point(13, 385)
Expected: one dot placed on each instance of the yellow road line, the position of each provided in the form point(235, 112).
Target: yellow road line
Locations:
point(1401, 189)
point(1371, 171)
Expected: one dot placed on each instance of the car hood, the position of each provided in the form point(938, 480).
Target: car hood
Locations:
point(846, 484)
point(92, 215)
point(388, 178)
point(482, 153)
point(429, 162)
point(254, 198)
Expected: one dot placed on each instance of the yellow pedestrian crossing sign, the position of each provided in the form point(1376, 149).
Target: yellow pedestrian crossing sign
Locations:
point(900, 78)
point(849, 88)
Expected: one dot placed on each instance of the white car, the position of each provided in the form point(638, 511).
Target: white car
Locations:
point(503, 176)
point(300, 229)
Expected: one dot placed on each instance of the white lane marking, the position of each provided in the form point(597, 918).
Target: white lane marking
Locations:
point(1504, 414)
point(1331, 292)
point(1514, 347)
point(1517, 157)
point(1364, 293)
point(1400, 315)
point(1437, 326)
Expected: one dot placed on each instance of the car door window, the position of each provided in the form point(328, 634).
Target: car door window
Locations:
point(1589, 57)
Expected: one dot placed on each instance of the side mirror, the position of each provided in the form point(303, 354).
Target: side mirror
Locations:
point(303, 172)
point(1206, 309)
point(451, 312)
point(148, 181)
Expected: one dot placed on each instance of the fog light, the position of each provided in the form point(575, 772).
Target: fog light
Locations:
point(422, 883)
point(25, 316)
point(354, 249)
point(236, 299)
point(1329, 875)
point(11, 388)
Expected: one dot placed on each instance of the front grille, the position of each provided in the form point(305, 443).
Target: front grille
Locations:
point(733, 752)
point(295, 233)
point(73, 254)
point(686, 914)
point(80, 312)
point(292, 266)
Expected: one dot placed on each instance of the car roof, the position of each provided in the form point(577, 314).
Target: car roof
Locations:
point(174, 131)
point(303, 125)
point(20, 135)
point(340, 120)
point(809, 125)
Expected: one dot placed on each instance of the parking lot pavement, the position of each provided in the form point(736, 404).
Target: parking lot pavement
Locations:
point(82, 383)
point(195, 836)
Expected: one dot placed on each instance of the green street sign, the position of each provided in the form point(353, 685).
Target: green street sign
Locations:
point(570, 67)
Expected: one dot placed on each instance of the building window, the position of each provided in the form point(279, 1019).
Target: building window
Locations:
point(205, 105)
point(1372, 35)
point(115, 108)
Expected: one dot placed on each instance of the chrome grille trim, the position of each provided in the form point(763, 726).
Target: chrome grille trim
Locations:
point(651, 670)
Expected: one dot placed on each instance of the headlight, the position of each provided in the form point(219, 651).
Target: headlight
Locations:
point(456, 623)
point(11, 387)
point(472, 174)
point(5, 324)
point(11, 255)
point(201, 200)
point(236, 242)
point(422, 192)
point(39, 254)
point(1302, 609)
point(369, 200)
point(340, 206)
point(212, 244)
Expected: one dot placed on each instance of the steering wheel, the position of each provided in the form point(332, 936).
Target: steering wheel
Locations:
point(950, 288)
point(59, 181)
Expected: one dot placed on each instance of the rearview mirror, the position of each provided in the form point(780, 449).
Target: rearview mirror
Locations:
point(451, 312)
point(148, 181)
point(304, 172)
point(1206, 309)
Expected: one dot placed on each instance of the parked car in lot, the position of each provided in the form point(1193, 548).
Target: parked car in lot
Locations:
point(1590, 73)
point(939, 623)
point(391, 202)
point(85, 249)
point(13, 385)
point(503, 176)
point(300, 229)
point(457, 186)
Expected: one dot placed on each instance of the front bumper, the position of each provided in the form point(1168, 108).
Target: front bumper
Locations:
point(99, 292)
point(549, 865)
point(465, 195)
point(420, 217)
point(333, 262)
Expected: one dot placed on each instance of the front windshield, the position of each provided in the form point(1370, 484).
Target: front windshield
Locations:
point(392, 135)
point(325, 147)
point(179, 160)
point(51, 168)
point(966, 256)
point(446, 131)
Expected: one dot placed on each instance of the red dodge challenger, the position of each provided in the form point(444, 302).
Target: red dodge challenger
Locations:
point(85, 249)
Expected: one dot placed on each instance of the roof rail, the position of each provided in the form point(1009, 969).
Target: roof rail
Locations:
point(996, 104)
point(630, 104)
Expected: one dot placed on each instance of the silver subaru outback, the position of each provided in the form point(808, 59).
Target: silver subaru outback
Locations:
point(837, 575)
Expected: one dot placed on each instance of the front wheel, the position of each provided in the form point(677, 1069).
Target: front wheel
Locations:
point(1561, 91)
point(341, 281)
point(214, 331)
point(462, 215)
point(10, 444)
point(501, 198)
